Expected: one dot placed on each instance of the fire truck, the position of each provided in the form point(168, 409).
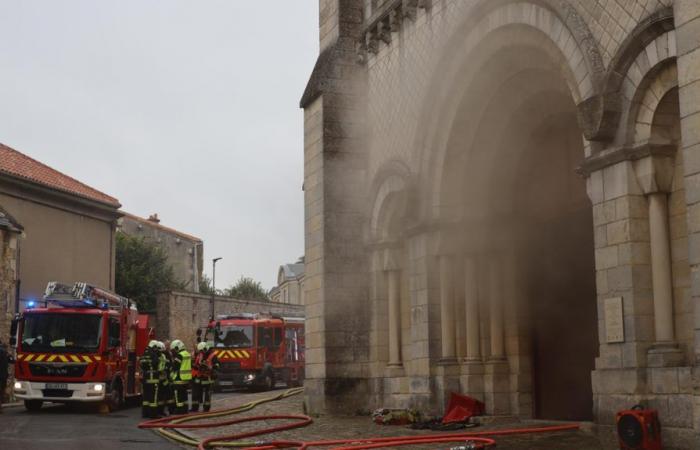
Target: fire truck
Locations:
point(256, 351)
point(79, 343)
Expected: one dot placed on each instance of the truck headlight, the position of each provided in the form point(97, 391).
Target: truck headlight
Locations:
point(18, 385)
point(250, 377)
point(99, 387)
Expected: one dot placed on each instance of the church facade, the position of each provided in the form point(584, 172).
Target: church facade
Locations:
point(502, 198)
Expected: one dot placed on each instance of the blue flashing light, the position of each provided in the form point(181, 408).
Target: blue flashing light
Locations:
point(31, 304)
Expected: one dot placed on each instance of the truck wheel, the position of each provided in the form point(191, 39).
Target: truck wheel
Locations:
point(115, 398)
point(269, 382)
point(33, 405)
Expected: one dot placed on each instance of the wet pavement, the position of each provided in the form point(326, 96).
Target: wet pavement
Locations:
point(61, 427)
point(354, 427)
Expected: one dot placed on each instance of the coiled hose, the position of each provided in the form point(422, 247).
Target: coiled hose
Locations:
point(168, 427)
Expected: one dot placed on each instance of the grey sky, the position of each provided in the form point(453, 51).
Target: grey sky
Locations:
point(185, 108)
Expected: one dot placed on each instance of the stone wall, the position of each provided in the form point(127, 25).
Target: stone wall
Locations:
point(426, 145)
point(185, 252)
point(8, 280)
point(180, 314)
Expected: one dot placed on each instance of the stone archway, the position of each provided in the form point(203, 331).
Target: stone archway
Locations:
point(516, 238)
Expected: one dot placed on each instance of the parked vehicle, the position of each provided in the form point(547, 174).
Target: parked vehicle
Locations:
point(257, 350)
point(80, 343)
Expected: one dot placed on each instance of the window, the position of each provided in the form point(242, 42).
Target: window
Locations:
point(113, 339)
point(278, 337)
point(264, 337)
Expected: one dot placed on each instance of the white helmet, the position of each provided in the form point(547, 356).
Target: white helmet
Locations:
point(161, 346)
point(177, 344)
point(153, 344)
point(201, 346)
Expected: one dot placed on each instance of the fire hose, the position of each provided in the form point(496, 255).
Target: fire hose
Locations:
point(169, 427)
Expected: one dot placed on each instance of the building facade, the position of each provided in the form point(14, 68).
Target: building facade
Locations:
point(69, 226)
point(503, 198)
point(185, 252)
point(290, 284)
point(10, 234)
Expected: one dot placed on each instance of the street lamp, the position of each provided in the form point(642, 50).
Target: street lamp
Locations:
point(213, 285)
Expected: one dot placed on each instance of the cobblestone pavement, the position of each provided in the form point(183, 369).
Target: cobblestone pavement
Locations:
point(361, 426)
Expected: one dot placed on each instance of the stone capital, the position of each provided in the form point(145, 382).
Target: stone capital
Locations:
point(654, 173)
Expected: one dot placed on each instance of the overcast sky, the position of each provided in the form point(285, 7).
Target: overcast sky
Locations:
point(185, 108)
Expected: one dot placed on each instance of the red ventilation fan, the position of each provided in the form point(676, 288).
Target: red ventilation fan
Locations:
point(638, 429)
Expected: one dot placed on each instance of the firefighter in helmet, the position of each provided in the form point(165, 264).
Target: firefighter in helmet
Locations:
point(206, 364)
point(180, 374)
point(149, 380)
point(165, 397)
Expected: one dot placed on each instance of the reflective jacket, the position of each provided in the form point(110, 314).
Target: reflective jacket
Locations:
point(182, 367)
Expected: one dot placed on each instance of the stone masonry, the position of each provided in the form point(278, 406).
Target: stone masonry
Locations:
point(503, 198)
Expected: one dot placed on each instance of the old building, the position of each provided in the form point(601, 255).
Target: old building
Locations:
point(290, 284)
point(185, 252)
point(10, 233)
point(69, 226)
point(503, 198)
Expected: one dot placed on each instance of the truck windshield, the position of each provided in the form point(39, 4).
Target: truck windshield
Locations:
point(234, 336)
point(61, 332)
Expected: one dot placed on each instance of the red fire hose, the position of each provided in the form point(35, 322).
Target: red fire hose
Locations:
point(481, 439)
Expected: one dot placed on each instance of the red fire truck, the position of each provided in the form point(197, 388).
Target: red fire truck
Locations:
point(80, 343)
point(256, 351)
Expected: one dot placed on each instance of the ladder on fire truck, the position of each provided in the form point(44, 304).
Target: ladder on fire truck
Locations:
point(83, 294)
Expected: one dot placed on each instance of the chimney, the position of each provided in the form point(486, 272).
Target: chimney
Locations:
point(154, 218)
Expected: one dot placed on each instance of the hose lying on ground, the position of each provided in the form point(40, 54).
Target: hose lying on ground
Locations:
point(168, 427)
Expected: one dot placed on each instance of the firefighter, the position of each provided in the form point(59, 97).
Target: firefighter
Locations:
point(180, 374)
point(149, 380)
point(211, 367)
point(196, 377)
point(165, 398)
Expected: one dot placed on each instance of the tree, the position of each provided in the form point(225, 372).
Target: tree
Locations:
point(142, 270)
point(247, 289)
point(205, 286)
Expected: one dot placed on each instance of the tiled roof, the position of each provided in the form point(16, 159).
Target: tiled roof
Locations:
point(20, 165)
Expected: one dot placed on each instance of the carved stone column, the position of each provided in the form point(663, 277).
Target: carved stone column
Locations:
point(394, 291)
point(496, 308)
point(655, 176)
point(471, 301)
point(447, 310)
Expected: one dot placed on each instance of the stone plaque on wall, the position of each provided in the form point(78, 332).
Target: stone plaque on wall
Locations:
point(614, 323)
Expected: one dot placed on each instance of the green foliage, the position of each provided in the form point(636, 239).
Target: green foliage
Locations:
point(205, 286)
point(247, 289)
point(142, 270)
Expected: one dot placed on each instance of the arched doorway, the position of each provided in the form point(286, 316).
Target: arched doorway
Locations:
point(510, 175)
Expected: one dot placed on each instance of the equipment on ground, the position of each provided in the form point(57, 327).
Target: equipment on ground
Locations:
point(638, 429)
point(81, 344)
point(257, 350)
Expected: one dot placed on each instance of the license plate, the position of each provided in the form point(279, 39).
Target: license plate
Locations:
point(226, 383)
point(56, 386)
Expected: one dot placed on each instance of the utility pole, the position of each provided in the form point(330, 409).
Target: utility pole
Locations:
point(213, 285)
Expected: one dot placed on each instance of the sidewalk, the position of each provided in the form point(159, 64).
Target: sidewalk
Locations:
point(353, 427)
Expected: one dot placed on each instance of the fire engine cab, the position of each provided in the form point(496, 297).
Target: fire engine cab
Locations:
point(79, 344)
point(257, 350)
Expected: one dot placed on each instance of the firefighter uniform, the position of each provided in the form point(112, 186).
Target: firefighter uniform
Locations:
point(149, 381)
point(205, 366)
point(166, 396)
point(180, 375)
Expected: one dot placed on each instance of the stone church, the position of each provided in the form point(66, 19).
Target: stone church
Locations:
point(503, 199)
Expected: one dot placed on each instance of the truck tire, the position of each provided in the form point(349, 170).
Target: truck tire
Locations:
point(269, 381)
point(33, 405)
point(115, 396)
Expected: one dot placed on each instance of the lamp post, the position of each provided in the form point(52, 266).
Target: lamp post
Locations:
point(213, 285)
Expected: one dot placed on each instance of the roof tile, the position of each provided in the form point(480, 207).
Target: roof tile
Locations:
point(20, 165)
